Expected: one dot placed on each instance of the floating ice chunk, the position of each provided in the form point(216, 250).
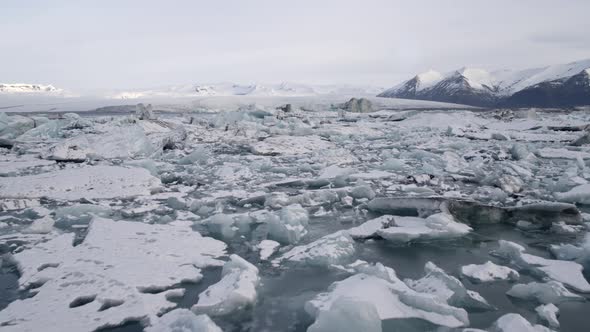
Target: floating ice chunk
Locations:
point(85, 182)
point(548, 292)
point(348, 314)
point(436, 226)
point(579, 194)
point(291, 225)
point(372, 175)
point(16, 125)
point(515, 323)
point(267, 248)
point(519, 152)
point(226, 226)
point(500, 137)
point(393, 164)
point(568, 273)
point(548, 313)
point(392, 299)
point(527, 226)
point(148, 164)
point(564, 229)
point(362, 191)
point(14, 166)
point(108, 279)
point(144, 112)
point(447, 288)
point(290, 145)
point(183, 320)
point(235, 290)
point(334, 171)
point(392, 205)
point(489, 272)
point(41, 226)
point(70, 150)
point(580, 254)
point(80, 213)
point(510, 184)
point(198, 156)
point(553, 153)
point(331, 249)
point(370, 227)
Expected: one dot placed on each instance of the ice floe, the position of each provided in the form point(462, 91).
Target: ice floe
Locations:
point(515, 323)
point(121, 271)
point(379, 289)
point(335, 248)
point(435, 227)
point(235, 290)
point(489, 271)
point(183, 320)
point(566, 272)
point(447, 288)
point(84, 182)
point(548, 292)
point(548, 313)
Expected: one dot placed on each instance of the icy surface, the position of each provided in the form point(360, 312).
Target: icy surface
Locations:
point(489, 272)
point(236, 289)
point(447, 288)
point(117, 267)
point(516, 323)
point(183, 320)
point(379, 287)
point(84, 182)
point(568, 273)
point(437, 226)
point(125, 208)
point(548, 292)
point(548, 313)
point(331, 249)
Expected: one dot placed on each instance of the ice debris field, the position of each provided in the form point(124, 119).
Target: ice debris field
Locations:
point(295, 218)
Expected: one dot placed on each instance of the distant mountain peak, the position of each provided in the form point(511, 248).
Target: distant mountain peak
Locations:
point(29, 88)
point(480, 87)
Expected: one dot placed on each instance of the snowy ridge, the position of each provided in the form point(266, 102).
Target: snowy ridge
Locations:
point(29, 88)
point(284, 89)
point(480, 87)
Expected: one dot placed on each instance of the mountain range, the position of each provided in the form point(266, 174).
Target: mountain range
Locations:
point(552, 86)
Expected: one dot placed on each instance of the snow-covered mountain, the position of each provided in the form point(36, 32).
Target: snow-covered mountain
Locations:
point(552, 86)
point(233, 89)
point(20, 88)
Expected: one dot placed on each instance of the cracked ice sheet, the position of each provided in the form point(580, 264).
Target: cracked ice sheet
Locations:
point(89, 182)
point(112, 266)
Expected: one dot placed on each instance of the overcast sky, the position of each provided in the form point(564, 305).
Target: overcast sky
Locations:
point(126, 44)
